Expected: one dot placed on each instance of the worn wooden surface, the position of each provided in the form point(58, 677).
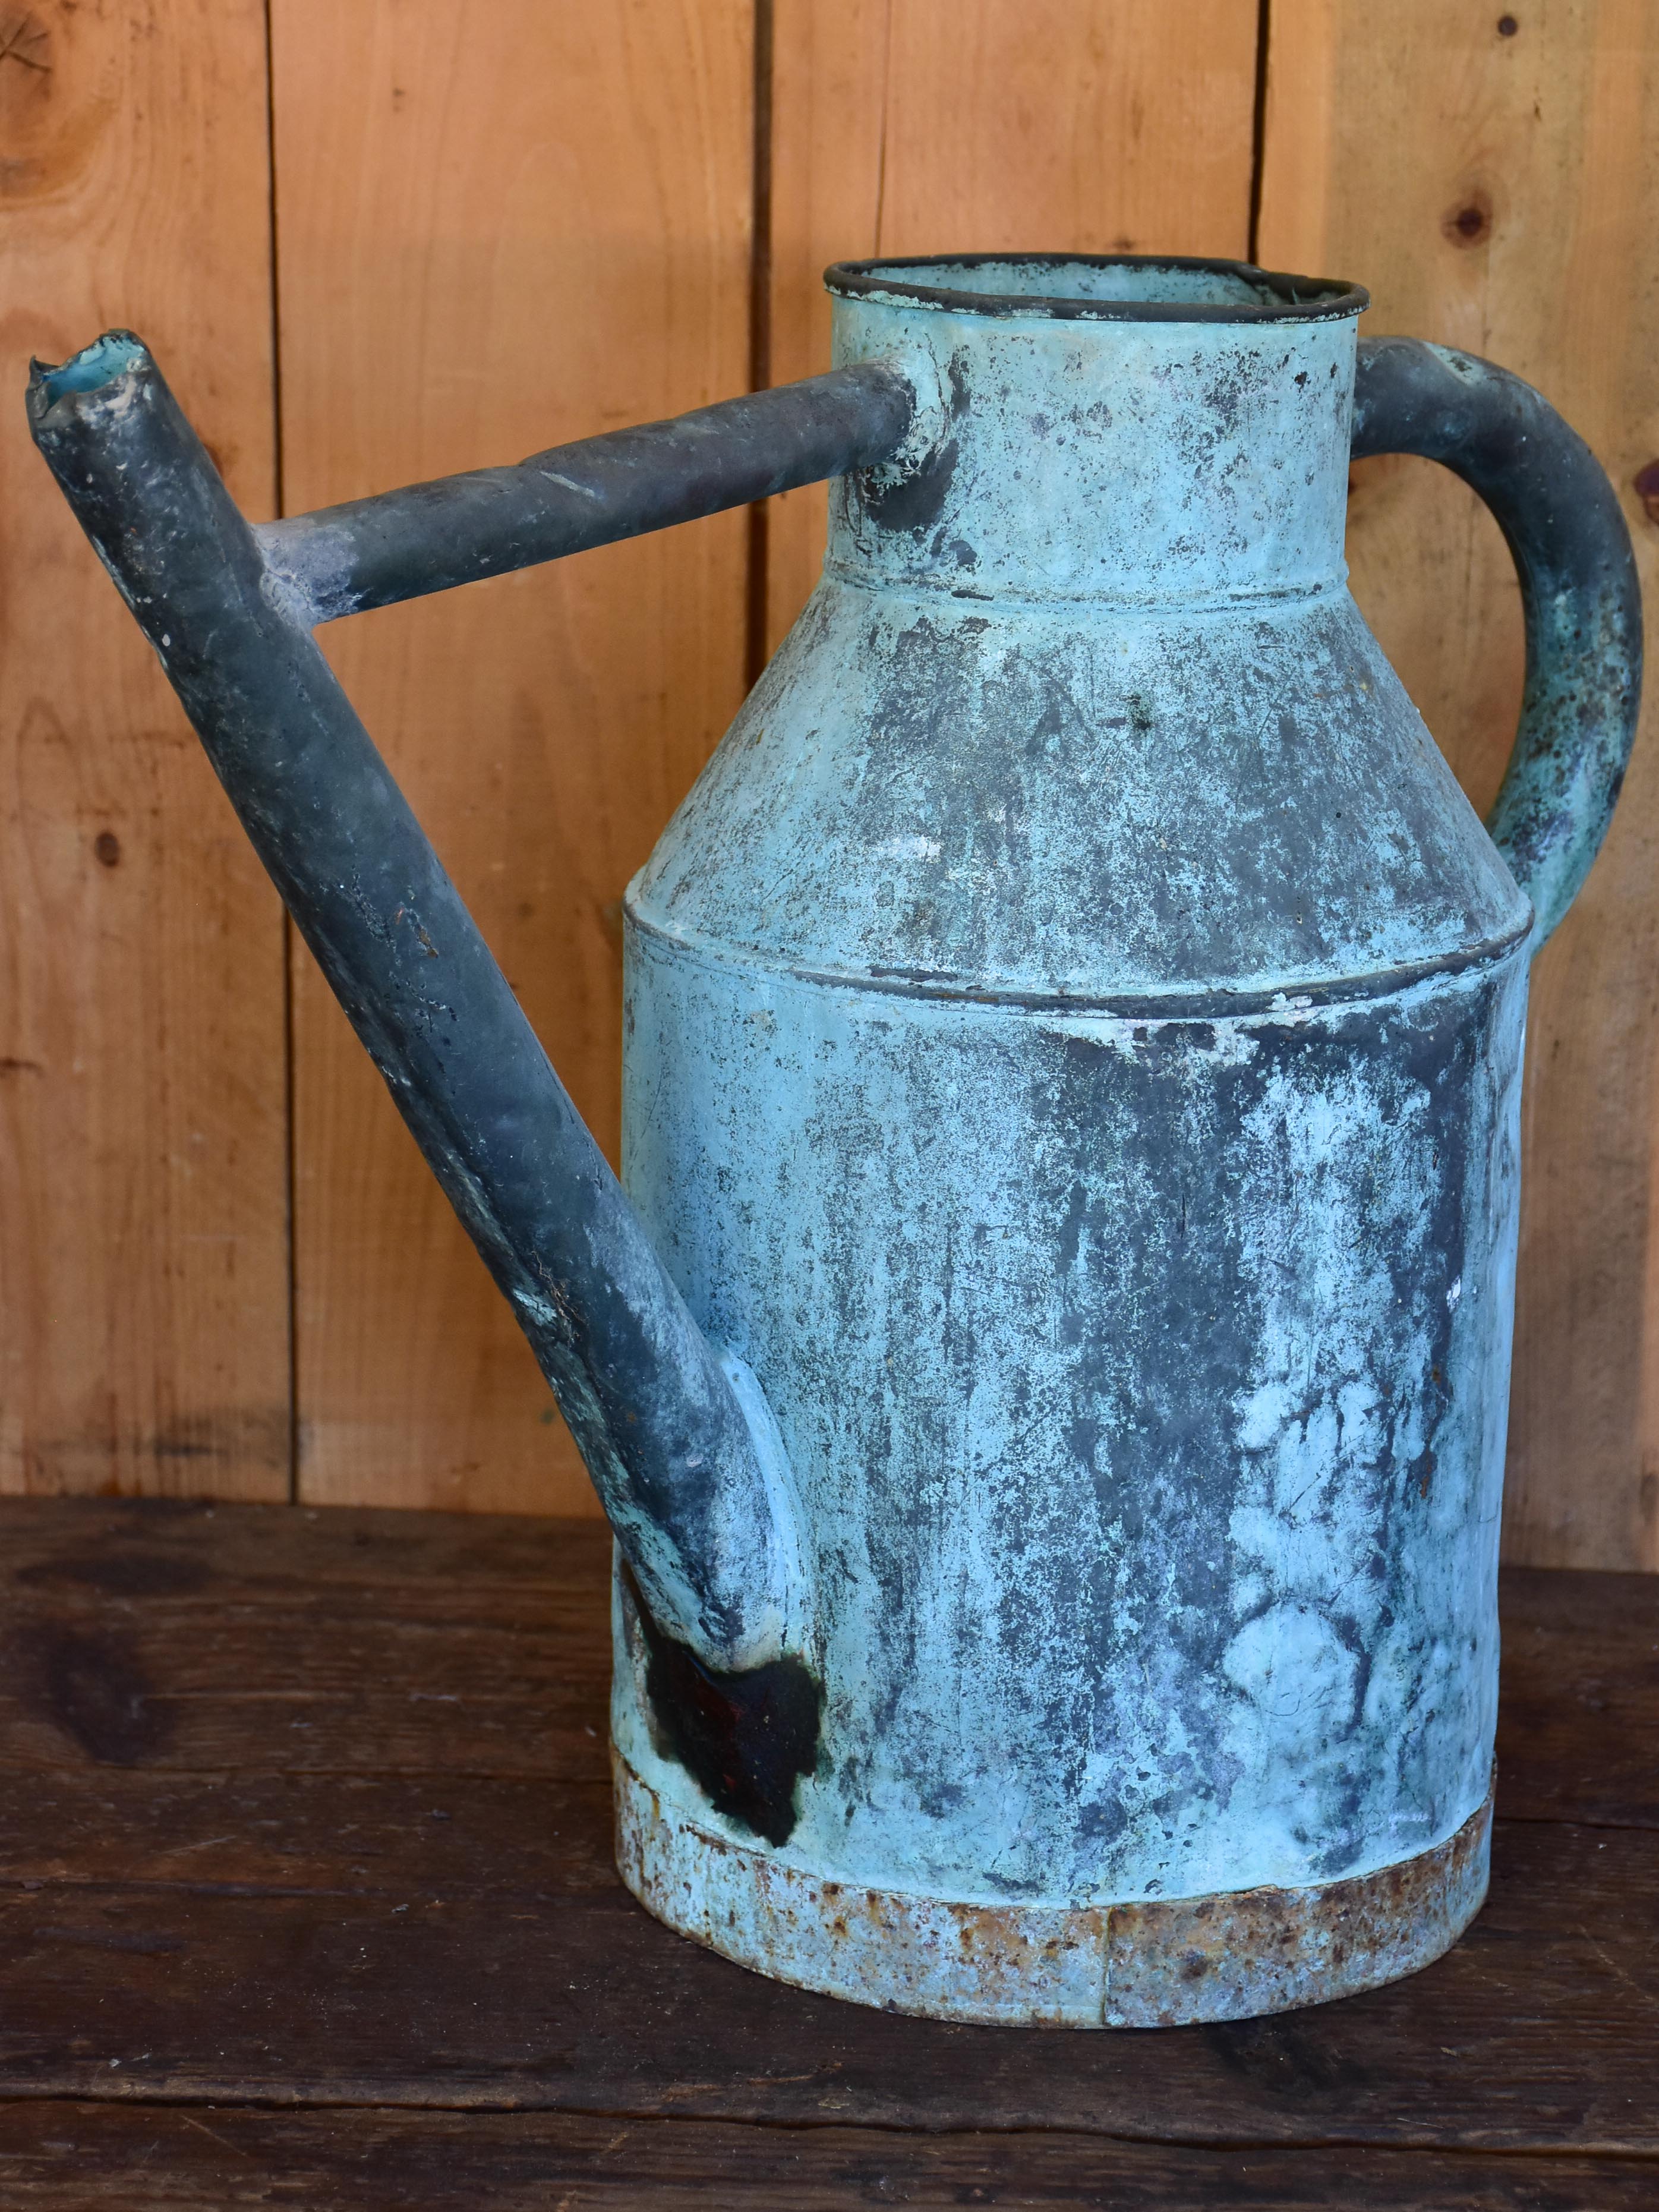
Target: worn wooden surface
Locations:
point(143, 1234)
point(498, 230)
point(1496, 191)
point(306, 1892)
point(160, 2159)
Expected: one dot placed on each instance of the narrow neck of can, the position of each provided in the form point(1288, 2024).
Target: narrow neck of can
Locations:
point(1150, 464)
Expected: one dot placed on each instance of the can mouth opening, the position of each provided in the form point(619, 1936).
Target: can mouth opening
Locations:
point(1112, 287)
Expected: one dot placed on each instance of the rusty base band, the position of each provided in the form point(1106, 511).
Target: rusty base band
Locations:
point(1232, 1956)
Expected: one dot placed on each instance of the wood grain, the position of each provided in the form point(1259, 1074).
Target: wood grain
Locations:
point(1494, 192)
point(243, 1914)
point(1579, 1721)
point(143, 1257)
point(921, 127)
point(78, 2157)
point(499, 228)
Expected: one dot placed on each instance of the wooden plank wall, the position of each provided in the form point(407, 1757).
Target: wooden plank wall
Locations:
point(385, 240)
point(497, 228)
point(143, 1147)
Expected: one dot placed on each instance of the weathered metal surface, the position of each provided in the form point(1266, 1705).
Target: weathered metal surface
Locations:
point(1074, 1041)
point(1051, 1397)
point(1241, 1952)
point(427, 537)
point(1578, 586)
point(1150, 1473)
point(1233, 1955)
point(675, 1432)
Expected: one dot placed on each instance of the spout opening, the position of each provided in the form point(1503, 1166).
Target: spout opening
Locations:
point(1098, 287)
point(104, 361)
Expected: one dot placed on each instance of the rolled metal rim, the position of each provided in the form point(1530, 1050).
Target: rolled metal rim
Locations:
point(1280, 297)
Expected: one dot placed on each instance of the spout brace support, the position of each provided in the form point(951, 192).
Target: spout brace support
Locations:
point(430, 537)
point(675, 1433)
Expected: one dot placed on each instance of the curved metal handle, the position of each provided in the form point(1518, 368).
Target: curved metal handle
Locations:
point(1563, 524)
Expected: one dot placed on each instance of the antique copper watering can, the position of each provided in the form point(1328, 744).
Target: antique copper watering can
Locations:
point(1047, 1376)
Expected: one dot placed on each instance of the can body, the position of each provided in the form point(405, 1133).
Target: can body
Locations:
point(1073, 1057)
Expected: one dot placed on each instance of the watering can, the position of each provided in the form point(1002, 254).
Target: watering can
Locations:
point(1046, 1366)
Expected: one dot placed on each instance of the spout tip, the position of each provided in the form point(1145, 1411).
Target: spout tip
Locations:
point(104, 361)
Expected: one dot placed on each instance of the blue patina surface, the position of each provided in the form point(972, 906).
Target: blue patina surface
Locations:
point(1074, 1036)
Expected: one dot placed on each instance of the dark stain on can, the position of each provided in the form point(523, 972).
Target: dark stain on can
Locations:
point(746, 1739)
point(913, 501)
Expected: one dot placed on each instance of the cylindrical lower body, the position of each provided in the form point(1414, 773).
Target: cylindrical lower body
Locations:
point(1145, 1382)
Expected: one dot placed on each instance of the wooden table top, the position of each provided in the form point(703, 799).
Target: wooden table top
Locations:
point(305, 1872)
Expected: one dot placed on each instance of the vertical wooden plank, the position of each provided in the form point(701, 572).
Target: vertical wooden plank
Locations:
point(1491, 173)
point(498, 228)
point(143, 1265)
point(920, 126)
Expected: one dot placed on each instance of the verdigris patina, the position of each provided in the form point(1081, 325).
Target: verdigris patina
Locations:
point(1049, 1385)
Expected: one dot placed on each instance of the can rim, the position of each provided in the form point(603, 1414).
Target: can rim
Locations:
point(1280, 297)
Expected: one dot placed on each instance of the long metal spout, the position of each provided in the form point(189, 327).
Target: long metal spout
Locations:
point(676, 1434)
